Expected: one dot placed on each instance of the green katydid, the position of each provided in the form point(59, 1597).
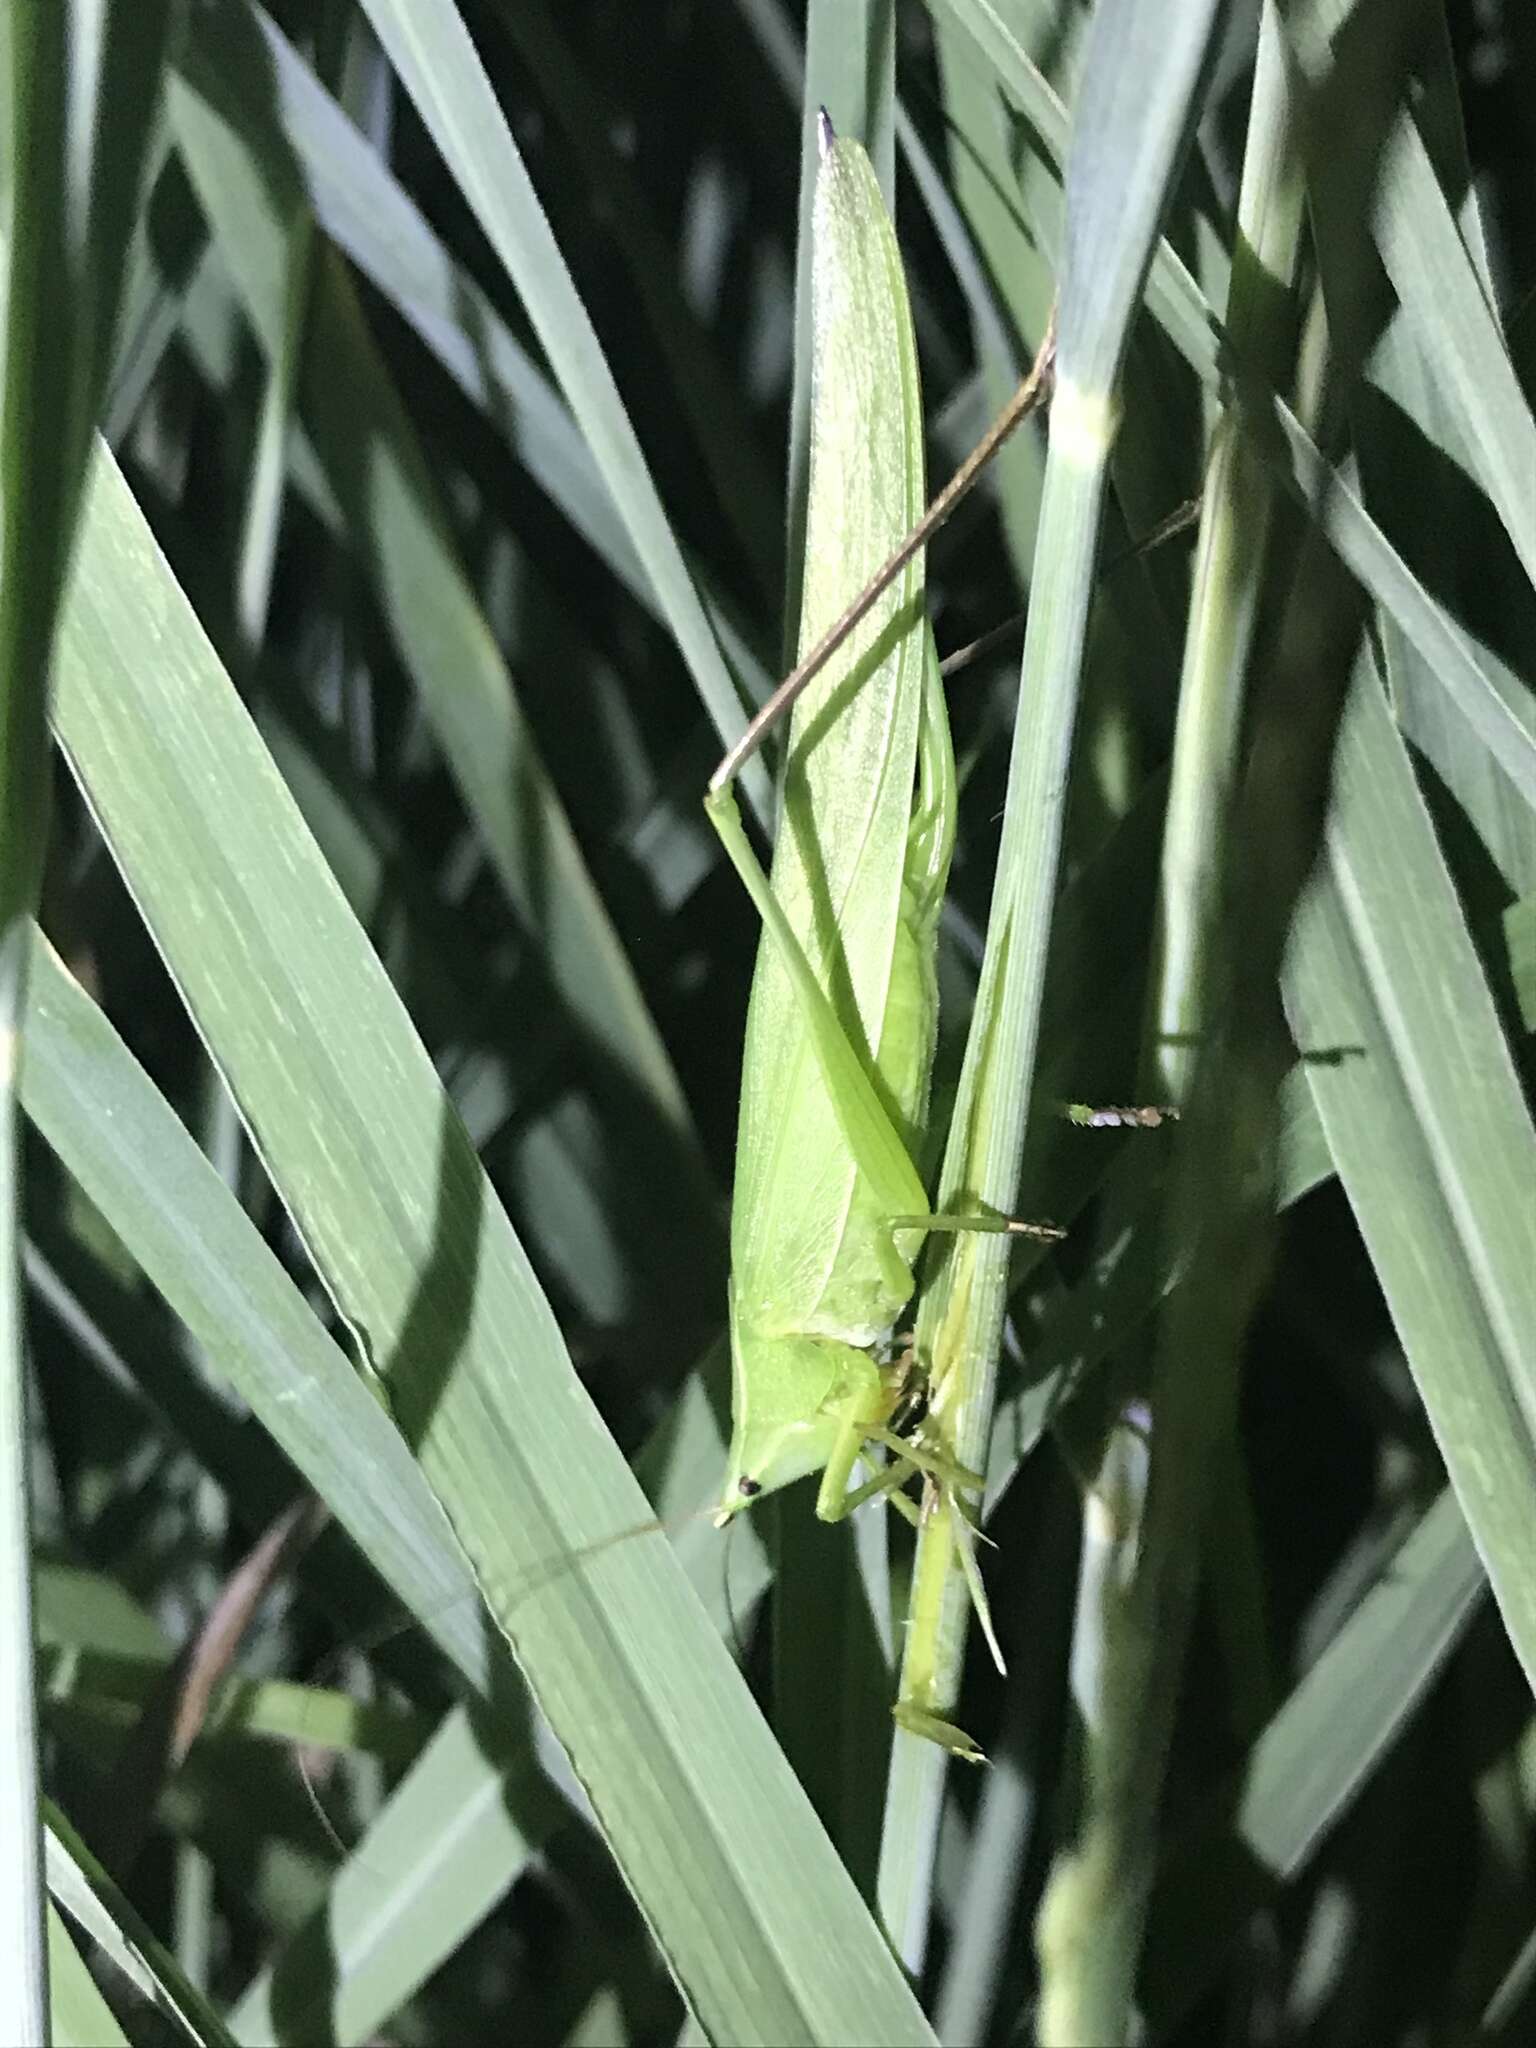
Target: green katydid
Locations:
point(830, 1212)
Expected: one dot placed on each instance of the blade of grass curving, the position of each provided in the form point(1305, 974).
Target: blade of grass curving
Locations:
point(1139, 88)
point(439, 67)
point(1452, 538)
point(1317, 1752)
point(1432, 1139)
point(237, 61)
point(754, 1915)
point(1493, 701)
point(174, 1213)
point(381, 478)
point(1448, 546)
point(132, 1341)
point(79, 85)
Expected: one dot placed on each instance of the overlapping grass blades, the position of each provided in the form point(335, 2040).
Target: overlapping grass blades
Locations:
point(448, 1322)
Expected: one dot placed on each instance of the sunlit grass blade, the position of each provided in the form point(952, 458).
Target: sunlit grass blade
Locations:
point(173, 1212)
point(1010, 260)
point(1443, 297)
point(475, 1810)
point(450, 1324)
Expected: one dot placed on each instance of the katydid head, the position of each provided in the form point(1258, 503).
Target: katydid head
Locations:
point(802, 1404)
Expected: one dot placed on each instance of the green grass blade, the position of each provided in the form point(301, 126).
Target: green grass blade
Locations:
point(755, 1917)
point(71, 186)
point(1443, 297)
point(81, 2017)
point(1489, 698)
point(745, 490)
point(1138, 101)
point(441, 1854)
point(133, 1156)
point(399, 529)
point(1135, 110)
point(91, 1898)
point(237, 61)
point(1310, 1762)
point(442, 73)
point(1447, 547)
point(1015, 268)
point(175, 1215)
point(1511, 2011)
point(1228, 583)
point(1088, 1926)
point(269, 465)
point(473, 1812)
point(1433, 1143)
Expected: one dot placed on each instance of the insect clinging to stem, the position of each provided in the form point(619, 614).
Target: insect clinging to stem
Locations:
point(829, 1212)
